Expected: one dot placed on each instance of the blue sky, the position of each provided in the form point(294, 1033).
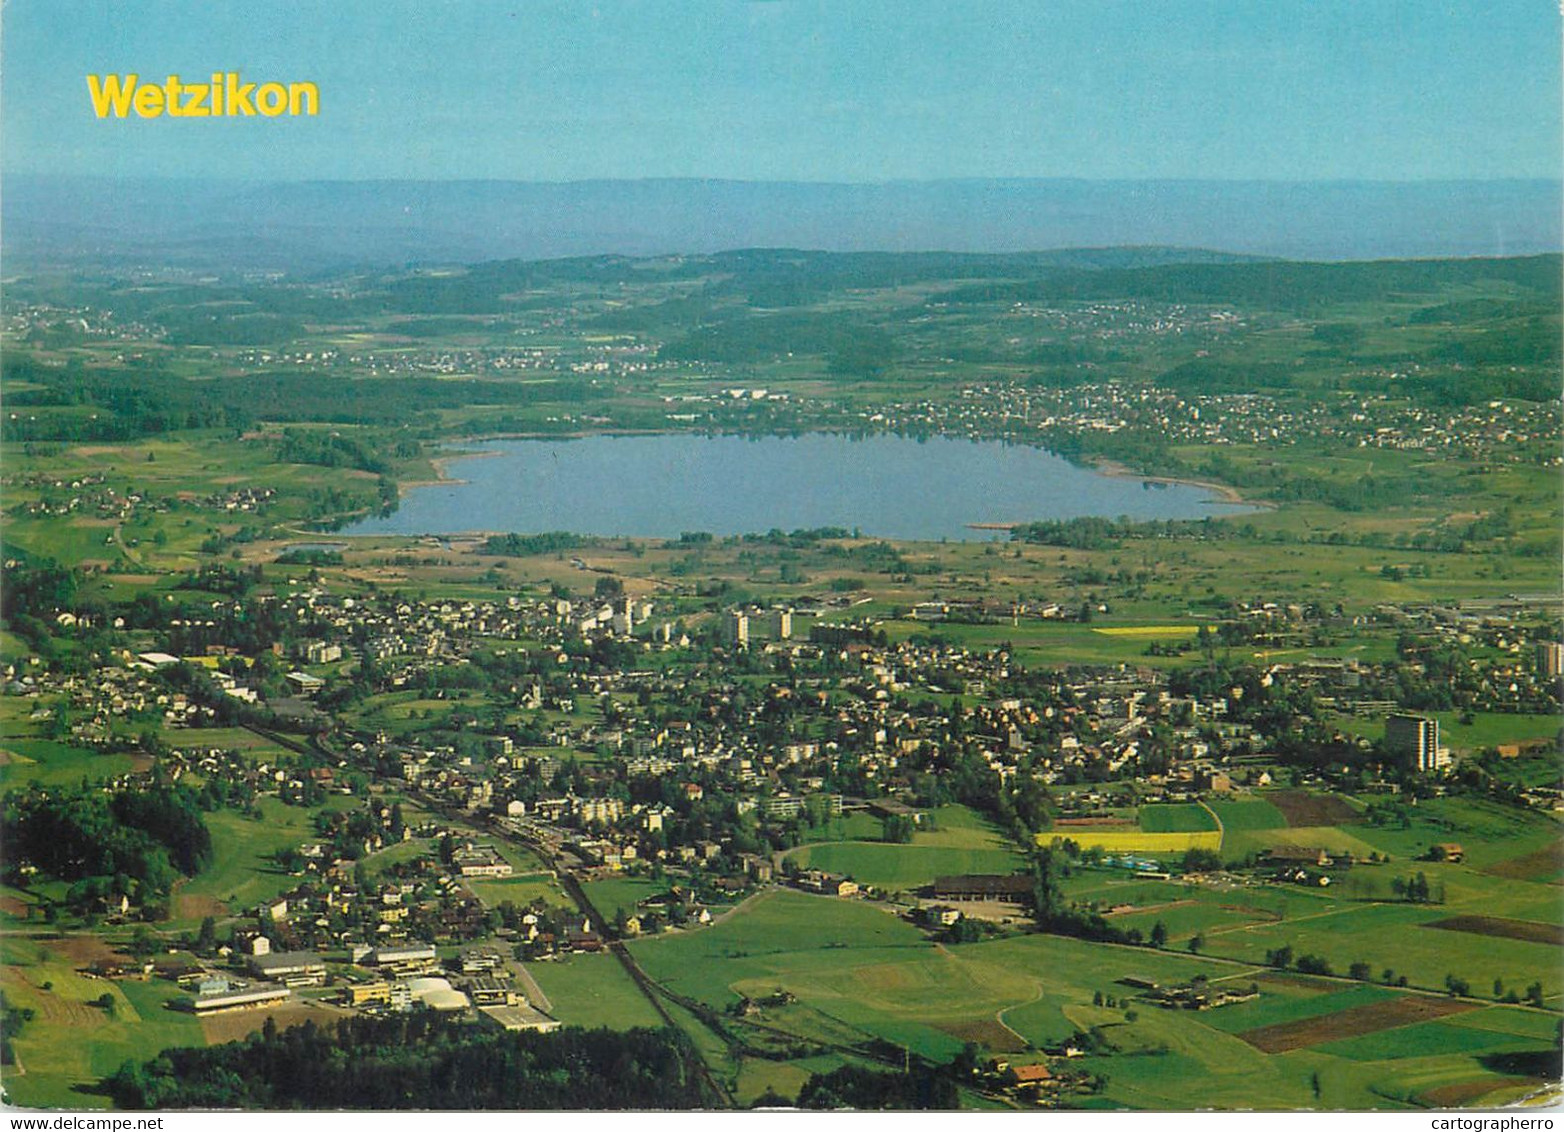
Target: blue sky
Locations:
point(803, 90)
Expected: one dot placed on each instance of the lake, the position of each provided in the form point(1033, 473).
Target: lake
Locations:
point(661, 486)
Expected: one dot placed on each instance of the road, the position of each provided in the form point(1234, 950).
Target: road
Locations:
point(643, 982)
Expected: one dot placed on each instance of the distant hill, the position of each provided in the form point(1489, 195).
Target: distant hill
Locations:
point(318, 225)
point(1280, 286)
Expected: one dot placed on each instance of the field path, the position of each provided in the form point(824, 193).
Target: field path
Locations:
point(1221, 831)
point(741, 906)
point(999, 1015)
point(1289, 920)
point(1136, 910)
point(124, 549)
point(534, 992)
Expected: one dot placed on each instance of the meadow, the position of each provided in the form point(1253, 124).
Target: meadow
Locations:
point(903, 868)
point(1037, 990)
point(621, 893)
point(951, 839)
point(1246, 814)
point(46, 762)
point(521, 891)
point(593, 990)
point(243, 872)
point(1177, 818)
point(1396, 937)
point(71, 1042)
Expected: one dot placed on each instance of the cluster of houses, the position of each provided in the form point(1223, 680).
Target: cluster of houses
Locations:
point(1064, 728)
point(1103, 721)
point(1508, 431)
point(1197, 994)
point(90, 494)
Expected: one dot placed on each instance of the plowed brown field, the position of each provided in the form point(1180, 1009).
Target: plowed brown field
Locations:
point(1300, 807)
point(1358, 1020)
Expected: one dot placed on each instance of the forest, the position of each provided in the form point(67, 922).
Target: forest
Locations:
point(121, 842)
point(419, 1061)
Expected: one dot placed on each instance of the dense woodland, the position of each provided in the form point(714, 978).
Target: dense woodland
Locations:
point(419, 1061)
point(851, 1087)
point(133, 842)
point(143, 401)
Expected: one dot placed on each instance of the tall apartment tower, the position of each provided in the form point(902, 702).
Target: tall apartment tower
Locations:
point(1416, 738)
point(737, 627)
point(779, 624)
point(624, 617)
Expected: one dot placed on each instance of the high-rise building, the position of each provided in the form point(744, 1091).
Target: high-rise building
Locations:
point(779, 624)
point(737, 627)
point(1550, 658)
point(1416, 737)
point(624, 617)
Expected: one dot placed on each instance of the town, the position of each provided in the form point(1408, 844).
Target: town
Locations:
point(1000, 820)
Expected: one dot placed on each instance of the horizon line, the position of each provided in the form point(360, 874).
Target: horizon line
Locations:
point(694, 179)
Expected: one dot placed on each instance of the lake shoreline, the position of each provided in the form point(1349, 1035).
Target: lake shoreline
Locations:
point(663, 482)
point(1228, 494)
point(440, 464)
point(1102, 465)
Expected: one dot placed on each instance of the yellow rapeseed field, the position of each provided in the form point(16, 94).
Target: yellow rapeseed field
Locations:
point(1135, 840)
point(1149, 632)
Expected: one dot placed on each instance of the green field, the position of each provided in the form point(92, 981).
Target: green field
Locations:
point(1176, 818)
point(1181, 923)
point(524, 861)
point(1335, 839)
point(378, 864)
point(958, 827)
point(757, 1075)
point(593, 990)
point(252, 748)
point(71, 1044)
point(1388, 935)
point(521, 891)
point(1280, 1003)
point(242, 873)
point(951, 839)
point(782, 929)
point(1151, 632)
point(47, 763)
point(1248, 814)
point(1488, 832)
point(902, 867)
point(1170, 1051)
point(1534, 1024)
point(1425, 1039)
point(1043, 643)
point(625, 893)
point(857, 826)
point(1486, 729)
point(1185, 910)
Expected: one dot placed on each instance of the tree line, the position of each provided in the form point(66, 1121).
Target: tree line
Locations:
point(419, 1061)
